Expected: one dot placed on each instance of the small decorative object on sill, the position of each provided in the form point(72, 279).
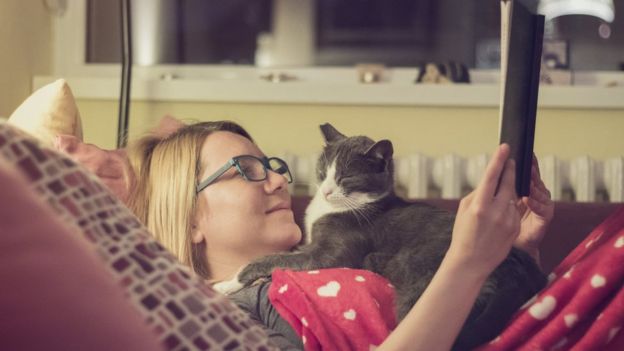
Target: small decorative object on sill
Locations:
point(550, 76)
point(168, 76)
point(279, 77)
point(370, 72)
point(436, 73)
point(555, 63)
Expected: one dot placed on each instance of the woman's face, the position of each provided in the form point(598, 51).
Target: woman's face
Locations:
point(241, 220)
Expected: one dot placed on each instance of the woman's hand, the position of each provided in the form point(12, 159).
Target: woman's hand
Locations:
point(537, 212)
point(488, 219)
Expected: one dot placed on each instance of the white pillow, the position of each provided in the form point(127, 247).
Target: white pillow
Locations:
point(49, 111)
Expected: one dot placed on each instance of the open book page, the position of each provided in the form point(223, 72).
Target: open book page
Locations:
point(504, 51)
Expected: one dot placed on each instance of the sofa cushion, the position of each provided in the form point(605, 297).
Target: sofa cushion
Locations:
point(56, 294)
point(49, 111)
point(184, 312)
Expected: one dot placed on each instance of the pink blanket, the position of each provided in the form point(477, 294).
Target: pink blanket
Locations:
point(335, 309)
point(583, 306)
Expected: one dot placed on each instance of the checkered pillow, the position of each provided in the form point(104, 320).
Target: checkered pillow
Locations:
point(185, 313)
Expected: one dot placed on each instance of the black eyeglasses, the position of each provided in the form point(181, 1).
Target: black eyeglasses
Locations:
point(252, 168)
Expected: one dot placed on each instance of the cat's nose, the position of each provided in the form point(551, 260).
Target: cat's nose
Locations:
point(327, 192)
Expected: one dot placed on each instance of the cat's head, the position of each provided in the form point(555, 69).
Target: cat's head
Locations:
point(354, 170)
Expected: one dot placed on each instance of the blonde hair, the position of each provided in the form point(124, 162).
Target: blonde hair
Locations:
point(164, 194)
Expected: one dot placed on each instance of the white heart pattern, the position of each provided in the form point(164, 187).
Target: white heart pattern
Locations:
point(570, 319)
point(498, 338)
point(283, 289)
point(529, 303)
point(598, 281)
point(360, 279)
point(330, 289)
point(619, 242)
point(304, 321)
point(551, 277)
point(541, 310)
point(568, 274)
point(613, 332)
point(350, 314)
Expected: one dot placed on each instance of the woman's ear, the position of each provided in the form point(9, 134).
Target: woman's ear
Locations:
point(196, 235)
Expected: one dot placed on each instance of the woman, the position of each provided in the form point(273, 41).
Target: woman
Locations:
point(228, 221)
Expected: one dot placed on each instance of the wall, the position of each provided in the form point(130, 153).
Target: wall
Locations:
point(26, 37)
point(431, 131)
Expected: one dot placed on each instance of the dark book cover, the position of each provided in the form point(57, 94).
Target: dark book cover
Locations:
point(522, 34)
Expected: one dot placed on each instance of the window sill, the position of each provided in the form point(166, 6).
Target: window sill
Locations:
point(337, 91)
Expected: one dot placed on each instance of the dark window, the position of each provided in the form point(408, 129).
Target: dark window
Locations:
point(391, 32)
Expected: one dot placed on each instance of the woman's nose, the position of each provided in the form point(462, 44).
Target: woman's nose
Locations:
point(275, 181)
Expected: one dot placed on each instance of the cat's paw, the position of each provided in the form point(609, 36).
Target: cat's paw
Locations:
point(228, 287)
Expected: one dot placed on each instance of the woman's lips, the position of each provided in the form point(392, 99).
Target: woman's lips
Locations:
point(280, 207)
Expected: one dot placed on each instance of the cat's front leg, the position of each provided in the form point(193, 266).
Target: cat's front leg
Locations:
point(264, 267)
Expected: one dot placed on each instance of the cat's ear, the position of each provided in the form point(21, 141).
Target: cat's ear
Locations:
point(382, 149)
point(331, 134)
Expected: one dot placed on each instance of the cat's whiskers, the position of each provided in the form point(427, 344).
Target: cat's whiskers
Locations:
point(358, 210)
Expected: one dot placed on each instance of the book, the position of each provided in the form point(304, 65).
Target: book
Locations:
point(522, 34)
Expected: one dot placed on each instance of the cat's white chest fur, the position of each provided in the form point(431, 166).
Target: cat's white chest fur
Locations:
point(317, 208)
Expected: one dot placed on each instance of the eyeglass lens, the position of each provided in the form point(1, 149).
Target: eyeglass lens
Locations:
point(254, 169)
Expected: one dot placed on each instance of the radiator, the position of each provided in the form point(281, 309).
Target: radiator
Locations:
point(418, 176)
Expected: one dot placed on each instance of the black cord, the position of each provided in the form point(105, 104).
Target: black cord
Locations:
point(126, 73)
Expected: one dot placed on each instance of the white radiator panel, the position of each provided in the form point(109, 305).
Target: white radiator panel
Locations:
point(419, 176)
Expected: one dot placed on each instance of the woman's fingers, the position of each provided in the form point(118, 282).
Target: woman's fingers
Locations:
point(539, 191)
point(536, 165)
point(540, 194)
point(507, 189)
point(487, 188)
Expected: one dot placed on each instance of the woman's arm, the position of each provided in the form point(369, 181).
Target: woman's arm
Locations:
point(486, 226)
point(254, 300)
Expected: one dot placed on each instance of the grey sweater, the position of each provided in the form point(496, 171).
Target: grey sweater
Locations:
point(255, 301)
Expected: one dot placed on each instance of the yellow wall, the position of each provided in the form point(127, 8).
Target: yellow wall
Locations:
point(26, 42)
point(430, 130)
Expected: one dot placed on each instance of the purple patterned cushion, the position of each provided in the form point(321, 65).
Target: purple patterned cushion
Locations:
point(43, 265)
point(184, 312)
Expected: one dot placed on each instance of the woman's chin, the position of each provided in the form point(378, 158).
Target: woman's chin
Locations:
point(290, 236)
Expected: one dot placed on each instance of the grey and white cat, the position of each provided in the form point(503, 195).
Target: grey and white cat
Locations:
point(355, 220)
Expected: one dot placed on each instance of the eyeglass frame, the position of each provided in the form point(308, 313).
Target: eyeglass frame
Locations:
point(233, 162)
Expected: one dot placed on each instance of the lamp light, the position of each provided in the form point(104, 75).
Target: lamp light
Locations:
point(603, 9)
